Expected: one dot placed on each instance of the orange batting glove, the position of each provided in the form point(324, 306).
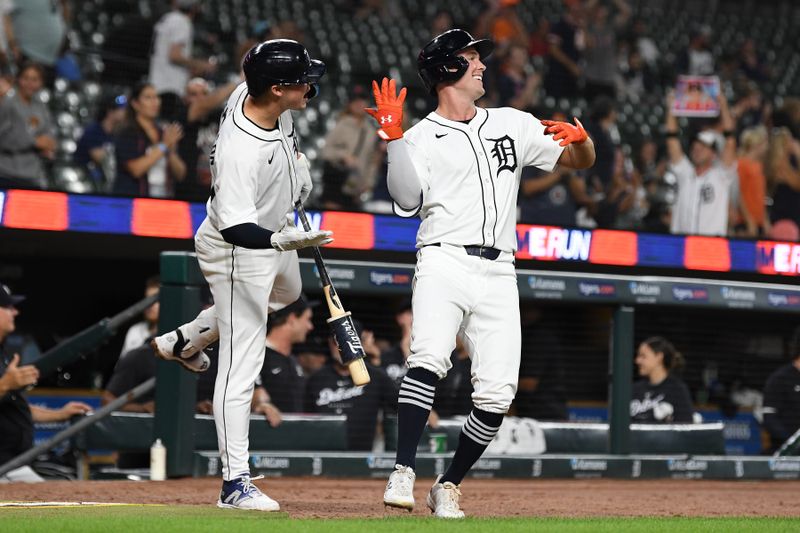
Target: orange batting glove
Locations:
point(564, 131)
point(389, 112)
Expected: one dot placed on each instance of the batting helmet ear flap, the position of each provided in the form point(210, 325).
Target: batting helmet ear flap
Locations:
point(313, 90)
point(448, 70)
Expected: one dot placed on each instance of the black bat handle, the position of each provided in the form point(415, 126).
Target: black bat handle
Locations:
point(323, 272)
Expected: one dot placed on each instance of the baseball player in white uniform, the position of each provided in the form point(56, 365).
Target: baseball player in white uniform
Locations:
point(246, 244)
point(459, 170)
point(704, 183)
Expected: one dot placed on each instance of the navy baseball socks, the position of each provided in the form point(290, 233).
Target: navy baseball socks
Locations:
point(476, 434)
point(413, 407)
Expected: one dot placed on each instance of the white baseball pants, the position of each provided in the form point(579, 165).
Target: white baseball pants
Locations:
point(478, 299)
point(244, 283)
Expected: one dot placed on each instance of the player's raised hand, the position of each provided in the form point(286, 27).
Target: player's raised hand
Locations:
point(388, 109)
point(290, 237)
point(565, 132)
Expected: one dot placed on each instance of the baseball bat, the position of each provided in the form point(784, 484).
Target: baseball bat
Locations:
point(341, 322)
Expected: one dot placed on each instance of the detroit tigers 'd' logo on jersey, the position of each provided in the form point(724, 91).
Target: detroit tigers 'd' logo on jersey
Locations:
point(505, 152)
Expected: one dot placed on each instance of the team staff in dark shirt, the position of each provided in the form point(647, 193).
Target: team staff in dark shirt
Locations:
point(331, 390)
point(281, 375)
point(16, 415)
point(782, 398)
point(660, 397)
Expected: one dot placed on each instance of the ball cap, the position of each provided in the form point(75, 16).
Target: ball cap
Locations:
point(709, 138)
point(7, 299)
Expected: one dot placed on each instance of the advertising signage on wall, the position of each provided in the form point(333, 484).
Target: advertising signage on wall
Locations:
point(147, 217)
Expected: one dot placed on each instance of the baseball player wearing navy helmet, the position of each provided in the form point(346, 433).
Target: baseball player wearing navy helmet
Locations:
point(246, 246)
point(459, 170)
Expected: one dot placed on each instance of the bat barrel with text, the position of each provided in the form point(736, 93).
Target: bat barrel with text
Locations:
point(341, 322)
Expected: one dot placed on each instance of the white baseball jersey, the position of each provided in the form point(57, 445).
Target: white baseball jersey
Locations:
point(701, 207)
point(252, 170)
point(470, 175)
point(254, 180)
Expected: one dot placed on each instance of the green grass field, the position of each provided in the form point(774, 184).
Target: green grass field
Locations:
point(165, 519)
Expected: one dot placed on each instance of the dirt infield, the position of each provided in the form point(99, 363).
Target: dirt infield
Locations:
point(359, 498)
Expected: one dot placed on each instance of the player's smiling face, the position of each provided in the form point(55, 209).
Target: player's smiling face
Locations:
point(472, 80)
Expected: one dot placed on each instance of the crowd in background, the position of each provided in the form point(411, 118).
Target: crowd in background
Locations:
point(160, 99)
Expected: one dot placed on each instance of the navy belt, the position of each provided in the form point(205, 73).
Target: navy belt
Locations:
point(480, 251)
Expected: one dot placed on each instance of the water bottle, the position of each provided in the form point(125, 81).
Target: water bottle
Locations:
point(158, 461)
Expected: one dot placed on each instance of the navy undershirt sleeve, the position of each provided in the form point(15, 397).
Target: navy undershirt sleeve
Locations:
point(248, 235)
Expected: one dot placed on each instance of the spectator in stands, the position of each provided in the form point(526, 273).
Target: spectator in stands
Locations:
point(541, 393)
point(538, 45)
point(95, 151)
point(611, 196)
point(642, 42)
point(601, 47)
point(281, 375)
point(171, 62)
point(500, 22)
point(552, 198)
point(637, 78)
point(567, 43)
point(697, 59)
point(517, 84)
point(393, 359)
point(198, 116)
point(750, 110)
point(782, 398)
point(783, 175)
point(144, 330)
point(650, 167)
point(704, 180)
point(146, 155)
point(27, 132)
point(40, 27)
point(660, 397)
point(350, 156)
point(752, 216)
point(16, 414)
point(626, 185)
point(331, 390)
point(751, 64)
point(9, 51)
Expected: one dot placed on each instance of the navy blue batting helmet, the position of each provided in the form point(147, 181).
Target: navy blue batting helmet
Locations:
point(438, 61)
point(280, 62)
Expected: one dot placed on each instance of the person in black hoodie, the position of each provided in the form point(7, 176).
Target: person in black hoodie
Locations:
point(661, 397)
